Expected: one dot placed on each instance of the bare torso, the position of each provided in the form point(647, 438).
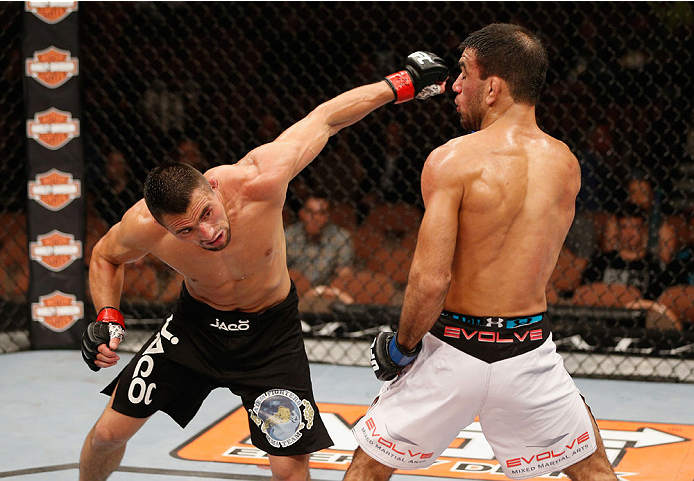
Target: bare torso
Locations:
point(250, 273)
point(519, 187)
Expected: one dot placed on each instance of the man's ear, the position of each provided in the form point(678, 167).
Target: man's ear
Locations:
point(214, 183)
point(496, 85)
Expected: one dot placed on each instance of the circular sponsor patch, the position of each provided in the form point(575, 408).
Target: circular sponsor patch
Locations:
point(278, 414)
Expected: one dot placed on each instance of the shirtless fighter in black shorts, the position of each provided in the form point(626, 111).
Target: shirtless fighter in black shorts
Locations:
point(235, 324)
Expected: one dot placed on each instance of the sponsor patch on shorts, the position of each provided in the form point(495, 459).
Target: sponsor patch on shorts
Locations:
point(279, 415)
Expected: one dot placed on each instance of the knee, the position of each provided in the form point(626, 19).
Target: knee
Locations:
point(105, 438)
point(292, 468)
point(295, 474)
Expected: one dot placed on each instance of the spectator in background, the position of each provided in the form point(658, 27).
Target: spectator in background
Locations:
point(631, 263)
point(630, 276)
point(641, 192)
point(316, 247)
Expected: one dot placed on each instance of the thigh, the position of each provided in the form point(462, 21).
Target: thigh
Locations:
point(534, 418)
point(278, 396)
point(167, 375)
point(415, 417)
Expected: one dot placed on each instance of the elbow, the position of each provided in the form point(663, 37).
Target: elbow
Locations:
point(430, 284)
point(321, 115)
point(327, 117)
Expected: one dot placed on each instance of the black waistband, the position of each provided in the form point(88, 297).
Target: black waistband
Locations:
point(191, 306)
point(492, 339)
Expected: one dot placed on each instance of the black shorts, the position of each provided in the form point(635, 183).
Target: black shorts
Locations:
point(258, 356)
point(492, 339)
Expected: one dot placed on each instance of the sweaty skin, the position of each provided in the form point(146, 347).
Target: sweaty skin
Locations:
point(499, 203)
point(245, 206)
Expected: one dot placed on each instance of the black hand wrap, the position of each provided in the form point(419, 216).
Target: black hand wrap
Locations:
point(109, 323)
point(424, 76)
point(388, 358)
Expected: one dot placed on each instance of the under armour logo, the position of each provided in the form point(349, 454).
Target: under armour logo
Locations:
point(498, 323)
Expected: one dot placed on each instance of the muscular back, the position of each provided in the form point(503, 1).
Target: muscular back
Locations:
point(519, 188)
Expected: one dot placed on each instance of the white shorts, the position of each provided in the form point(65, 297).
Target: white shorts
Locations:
point(529, 408)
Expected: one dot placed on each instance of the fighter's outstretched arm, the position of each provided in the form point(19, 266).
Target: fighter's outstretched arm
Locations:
point(423, 76)
point(310, 135)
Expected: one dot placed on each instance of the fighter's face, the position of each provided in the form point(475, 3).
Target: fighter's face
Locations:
point(469, 89)
point(204, 224)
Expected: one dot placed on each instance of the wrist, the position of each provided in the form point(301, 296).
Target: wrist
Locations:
point(402, 85)
point(400, 355)
point(111, 314)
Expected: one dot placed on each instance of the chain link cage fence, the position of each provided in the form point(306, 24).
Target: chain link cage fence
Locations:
point(205, 83)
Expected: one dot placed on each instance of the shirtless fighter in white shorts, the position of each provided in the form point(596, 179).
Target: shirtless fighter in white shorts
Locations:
point(473, 337)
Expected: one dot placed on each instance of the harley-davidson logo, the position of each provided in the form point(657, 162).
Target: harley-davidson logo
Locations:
point(53, 128)
point(57, 311)
point(51, 12)
point(52, 67)
point(55, 250)
point(54, 189)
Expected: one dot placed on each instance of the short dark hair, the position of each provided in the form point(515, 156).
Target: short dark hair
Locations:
point(513, 53)
point(169, 188)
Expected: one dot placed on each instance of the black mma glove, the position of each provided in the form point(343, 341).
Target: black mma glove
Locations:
point(388, 358)
point(424, 76)
point(109, 324)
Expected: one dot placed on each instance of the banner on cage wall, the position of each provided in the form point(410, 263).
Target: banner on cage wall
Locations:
point(56, 204)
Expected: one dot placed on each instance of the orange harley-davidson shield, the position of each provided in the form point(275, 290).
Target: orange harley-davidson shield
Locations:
point(639, 451)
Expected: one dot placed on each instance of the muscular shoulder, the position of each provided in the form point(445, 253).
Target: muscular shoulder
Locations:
point(447, 167)
point(454, 159)
point(138, 228)
point(560, 156)
point(263, 173)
